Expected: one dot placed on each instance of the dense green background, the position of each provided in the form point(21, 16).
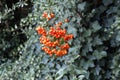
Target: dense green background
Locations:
point(94, 52)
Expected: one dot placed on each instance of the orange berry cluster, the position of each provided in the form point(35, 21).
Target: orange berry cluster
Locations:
point(55, 40)
point(48, 16)
point(41, 30)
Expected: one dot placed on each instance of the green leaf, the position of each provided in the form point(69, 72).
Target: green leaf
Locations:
point(106, 2)
point(99, 55)
point(61, 73)
point(81, 77)
point(88, 64)
point(72, 30)
point(97, 41)
point(81, 6)
point(87, 33)
point(97, 70)
point(112, 10)
point(95, 25)
point(118, 36)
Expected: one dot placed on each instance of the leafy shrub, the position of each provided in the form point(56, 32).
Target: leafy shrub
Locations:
point(11, 33)
point(94, 52)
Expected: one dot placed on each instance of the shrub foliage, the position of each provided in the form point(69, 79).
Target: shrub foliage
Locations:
point(94, 52)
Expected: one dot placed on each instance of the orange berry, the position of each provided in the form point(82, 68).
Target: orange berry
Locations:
point(57, 25)
point(50, 52)
point(56, 42)
point(64, 52)
point(58, 53)
point(62, 33)
point(41, 30)
point(48, 18)
point(47, 50)
point(61, 53)
point(37, 28)
point(66, 20)
point(54, 51)
point(43, 48)
point(60, 23)
point(65, 46)
point(68, 37)
point(52, 15)
point(44, 14)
